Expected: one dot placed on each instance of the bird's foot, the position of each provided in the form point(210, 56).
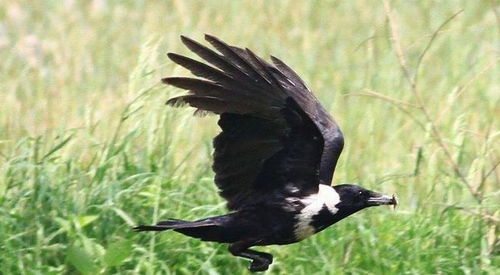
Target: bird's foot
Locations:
point(260, 260)
point(260, 264)
point(267, 257)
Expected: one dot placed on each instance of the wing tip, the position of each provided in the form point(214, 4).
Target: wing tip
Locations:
point(209, 37)
point(190, 43)
point(167, 80)
point(173, 56)
point(185, 39)
point(180, 59)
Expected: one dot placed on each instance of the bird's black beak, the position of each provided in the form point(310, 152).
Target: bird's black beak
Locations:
point(377, 199)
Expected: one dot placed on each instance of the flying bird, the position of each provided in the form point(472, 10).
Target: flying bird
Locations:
point(274, 158)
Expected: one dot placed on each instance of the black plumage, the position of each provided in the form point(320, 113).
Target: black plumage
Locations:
point(274, 158)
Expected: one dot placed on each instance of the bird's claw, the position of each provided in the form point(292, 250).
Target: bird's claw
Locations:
point(260, 265)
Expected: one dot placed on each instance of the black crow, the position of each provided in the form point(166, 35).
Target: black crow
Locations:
point(274, 158)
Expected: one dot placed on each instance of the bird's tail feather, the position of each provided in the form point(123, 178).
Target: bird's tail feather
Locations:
point(172, 224)
point(211, 229)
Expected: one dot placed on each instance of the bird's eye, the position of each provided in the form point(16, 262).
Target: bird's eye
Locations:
point(360, 193)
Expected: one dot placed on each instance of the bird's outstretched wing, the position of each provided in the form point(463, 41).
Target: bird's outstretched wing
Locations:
point(276, 140)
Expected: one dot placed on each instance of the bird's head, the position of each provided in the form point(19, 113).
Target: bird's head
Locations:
point(354, 198)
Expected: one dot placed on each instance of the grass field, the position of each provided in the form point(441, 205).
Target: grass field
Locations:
point(88, 148)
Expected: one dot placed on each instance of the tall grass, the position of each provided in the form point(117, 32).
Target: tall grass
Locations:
point(88, 149)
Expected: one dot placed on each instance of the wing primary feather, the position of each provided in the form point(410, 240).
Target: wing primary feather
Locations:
point(204, 87)
point(213, 104)
point(236, 57)
point(188, 83)
point(199, 69)
point(264, 68)
point(218, 76)
point(214, 58)
point(288, 72)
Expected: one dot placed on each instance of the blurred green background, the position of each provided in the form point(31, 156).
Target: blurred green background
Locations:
point(88, 149)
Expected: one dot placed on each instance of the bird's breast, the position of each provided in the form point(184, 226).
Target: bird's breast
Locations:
point(315, 206)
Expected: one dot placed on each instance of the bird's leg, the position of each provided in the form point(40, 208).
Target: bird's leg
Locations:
point(260, 260)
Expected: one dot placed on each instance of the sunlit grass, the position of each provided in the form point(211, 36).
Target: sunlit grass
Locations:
point(88, 149)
